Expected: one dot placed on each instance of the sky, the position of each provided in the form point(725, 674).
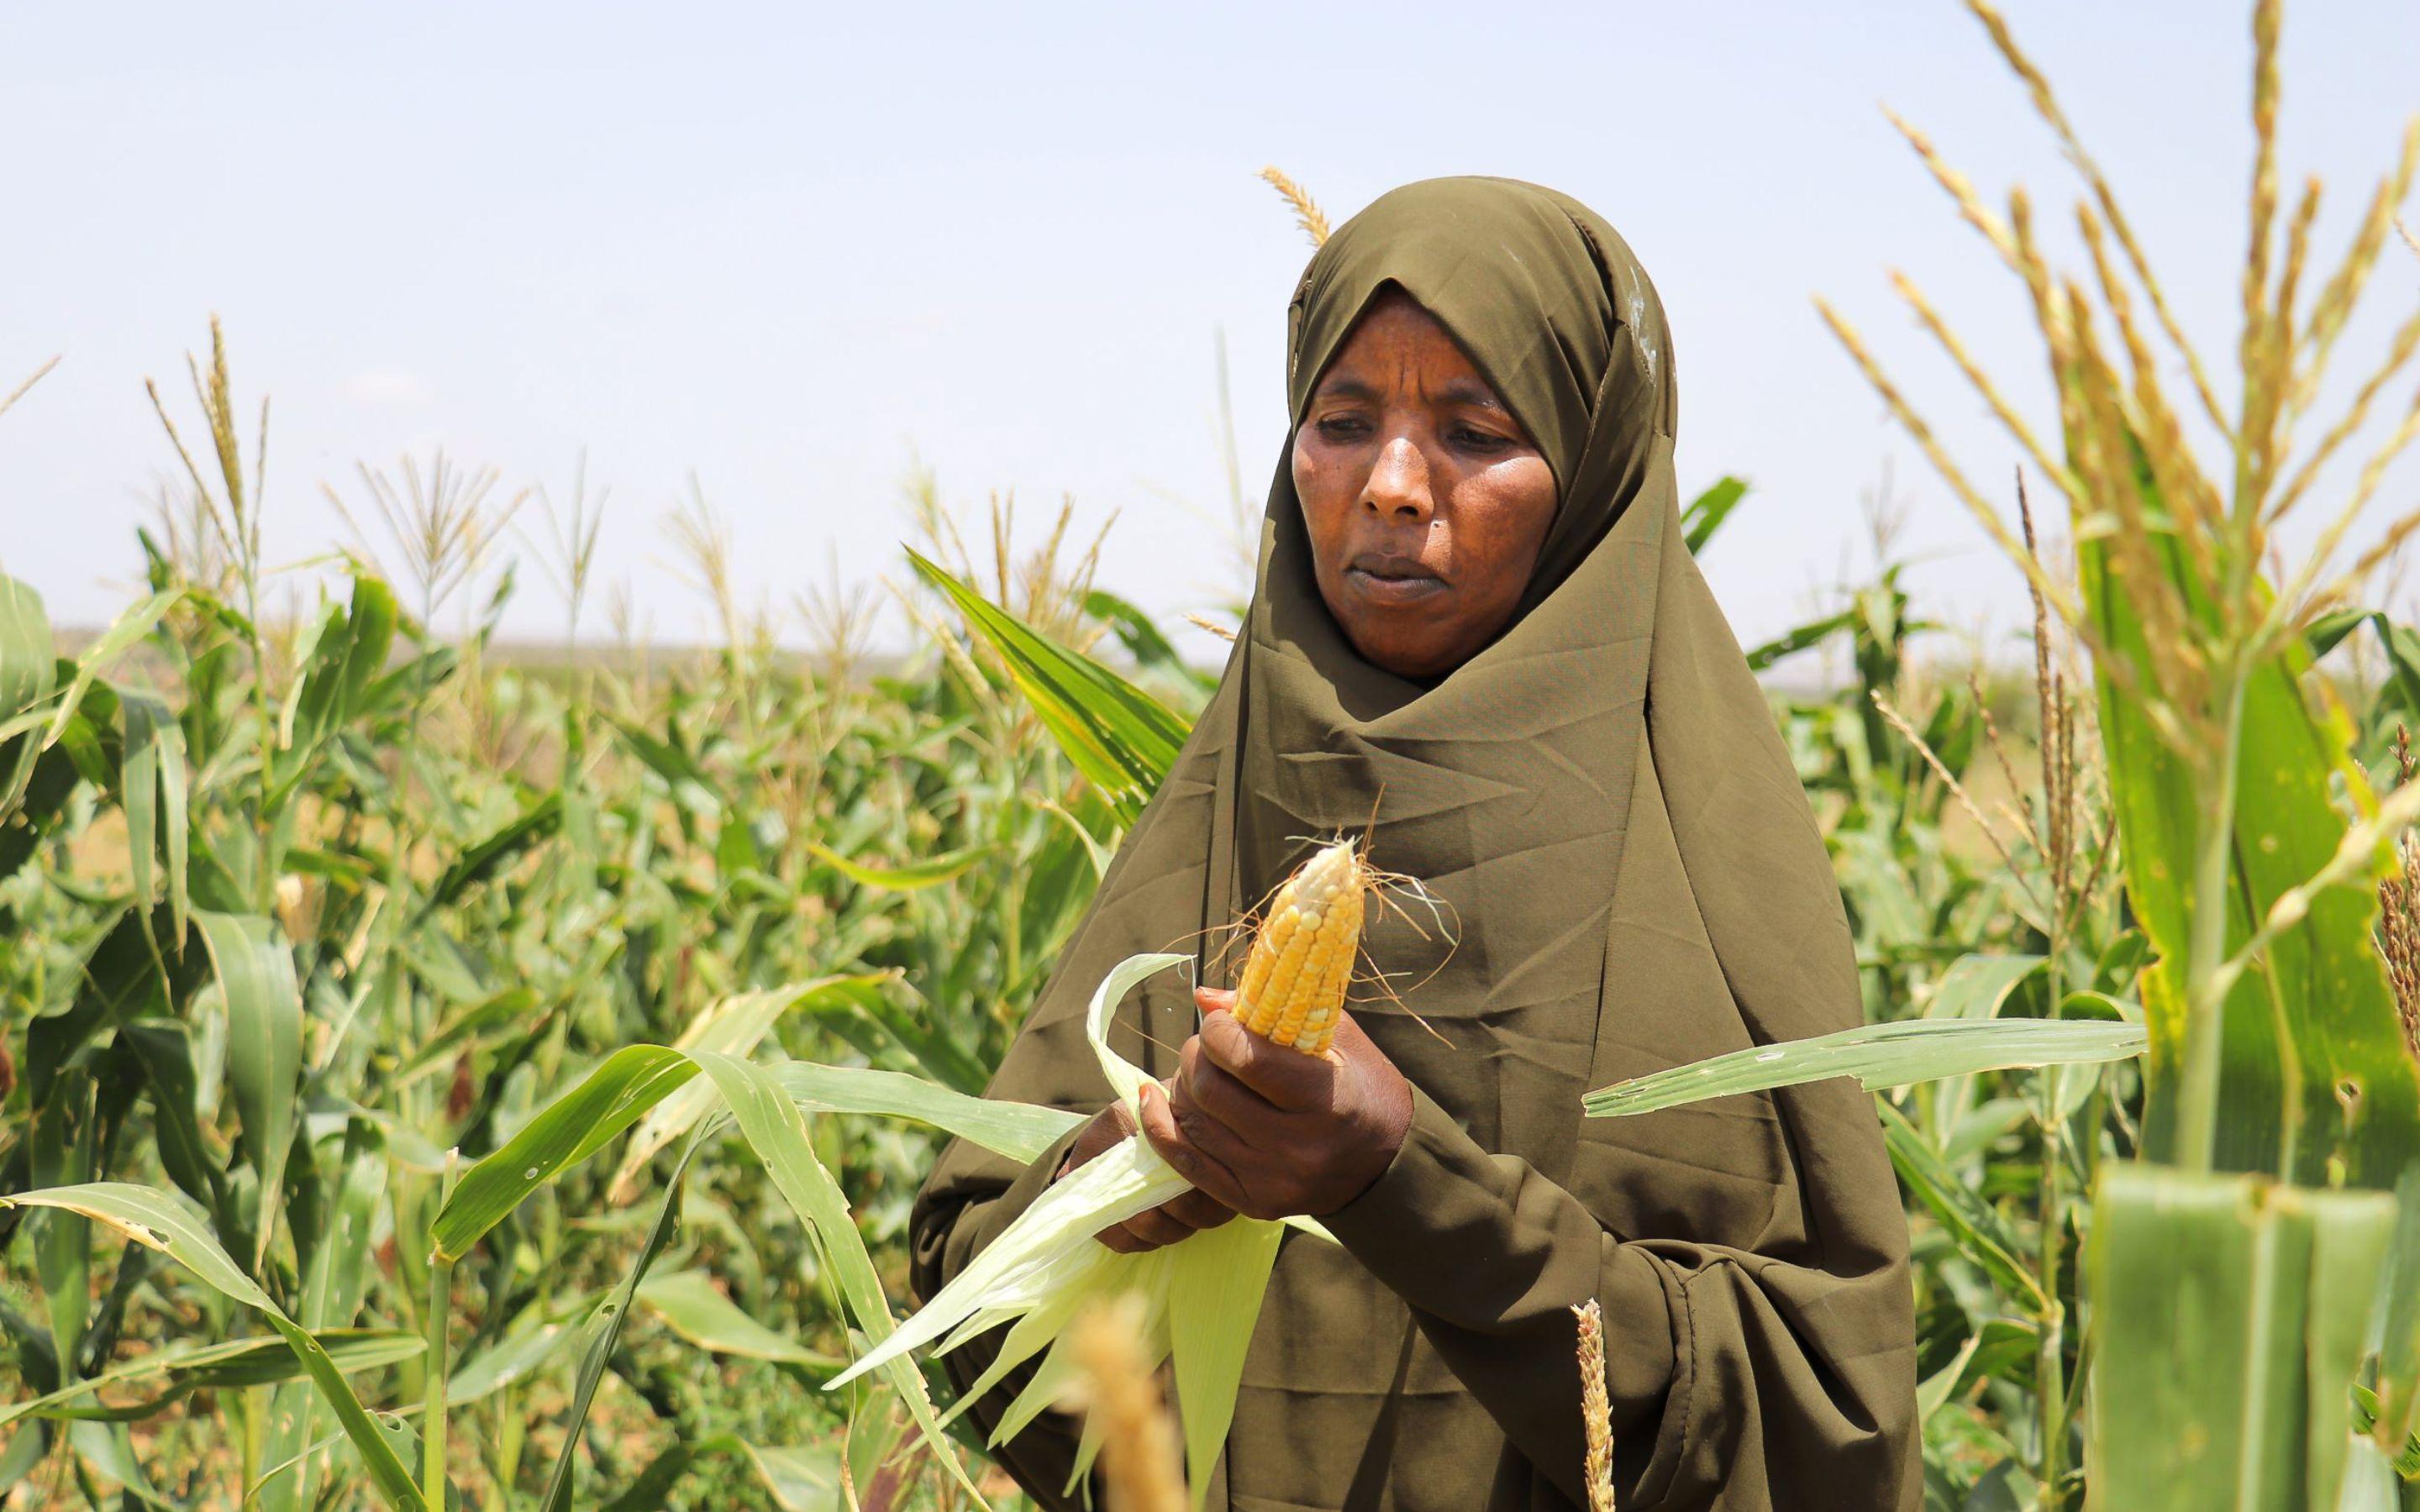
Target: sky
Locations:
point(799, 254)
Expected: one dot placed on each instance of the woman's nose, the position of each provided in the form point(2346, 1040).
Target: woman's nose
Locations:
point(1399, 484)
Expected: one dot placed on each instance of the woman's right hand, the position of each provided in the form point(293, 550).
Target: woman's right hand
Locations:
point(1179, 1217)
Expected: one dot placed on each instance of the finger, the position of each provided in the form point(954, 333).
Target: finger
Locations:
point(1120, 1238)
point(1216, 1092)
point(1188, 1160)
point(1108, 1128)
point(1158, 1226)
point(1285, 1076)
point(1198, 1210)
point(1215, 999)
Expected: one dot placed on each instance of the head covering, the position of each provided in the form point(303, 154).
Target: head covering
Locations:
point(1601, 798)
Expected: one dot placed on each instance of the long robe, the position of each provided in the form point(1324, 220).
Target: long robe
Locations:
point(1635, 881)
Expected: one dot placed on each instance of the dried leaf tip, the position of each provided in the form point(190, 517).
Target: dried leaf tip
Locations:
point(1596, 1412)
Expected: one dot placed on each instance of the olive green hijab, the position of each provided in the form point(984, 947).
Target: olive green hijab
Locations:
point(1603, 804)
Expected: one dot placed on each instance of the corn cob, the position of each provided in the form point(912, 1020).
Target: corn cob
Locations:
point(1301, 960)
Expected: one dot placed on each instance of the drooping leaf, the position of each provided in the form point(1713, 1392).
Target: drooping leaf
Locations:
point(730, 1025)
point(1980, 1232)
point(495, 852)
point(114, 642)
point(1020, 1130)
point(777, 1131)
point(1119, 737)
point(170, 1224)
point(575, 1126)
point(689, 1302)
point(1878, 1055)
point(913, 877)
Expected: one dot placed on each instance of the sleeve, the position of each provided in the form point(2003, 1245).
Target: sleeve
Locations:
point(1729, 1372)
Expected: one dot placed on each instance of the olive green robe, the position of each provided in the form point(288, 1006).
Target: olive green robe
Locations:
point(1633, 881)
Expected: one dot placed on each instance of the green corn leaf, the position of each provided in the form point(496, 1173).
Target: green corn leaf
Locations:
point(1878, 1055)
point(868, 999)
point(497, 1012)
point(729, 1026)
point(620, 1091)
point(232, 1364)
point(652, 1488)
point(1793, 641)
point(2352, 1110)
point(495, 852)
point(692, 786)
point(341, 662)
point(167, 1223)
point(609, 1100)
point(1977, 1230)
point(777, 1131)
point(2003, 1349)
point(1974, 987)
point(1707, 512)
point(798, 1479)
point(913, 877)
point(163, 1049)
point(692, 1306)
point(542, 1332)
point(28, 675)
point(1979, 986)
point(2224, 1370)
point(152, 791)
point(605, 1334)
point(333, 1284)
point(1119, 737)
point(1020, 1130)
point(1151, 650)
point(65, 1142)
point(114, 642)
point(264, 1046)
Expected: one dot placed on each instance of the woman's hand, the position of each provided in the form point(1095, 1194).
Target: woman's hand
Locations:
point(1179, 1217)
point(1269, 1132)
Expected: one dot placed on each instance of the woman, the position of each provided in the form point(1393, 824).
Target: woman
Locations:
point(1477, 619)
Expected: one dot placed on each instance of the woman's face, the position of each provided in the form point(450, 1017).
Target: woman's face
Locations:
point(1425, 502)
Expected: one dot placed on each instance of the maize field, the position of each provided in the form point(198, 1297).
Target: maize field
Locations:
point(435, 1072)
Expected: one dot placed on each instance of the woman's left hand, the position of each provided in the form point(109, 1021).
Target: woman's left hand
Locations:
point(1270, 1131)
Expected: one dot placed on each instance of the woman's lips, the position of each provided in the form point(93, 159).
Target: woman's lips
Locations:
point(1392, 580)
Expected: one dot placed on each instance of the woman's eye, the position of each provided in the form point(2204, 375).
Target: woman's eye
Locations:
point(1478, 441)
point(1344, 427)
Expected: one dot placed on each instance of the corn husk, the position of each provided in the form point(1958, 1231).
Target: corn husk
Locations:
point(1200, 1298)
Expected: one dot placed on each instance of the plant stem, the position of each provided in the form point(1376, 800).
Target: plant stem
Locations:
point(441, 1297)
point(2050, 1354)
point(2205, 990)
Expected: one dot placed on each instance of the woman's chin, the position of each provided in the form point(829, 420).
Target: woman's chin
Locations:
point(1403, 642)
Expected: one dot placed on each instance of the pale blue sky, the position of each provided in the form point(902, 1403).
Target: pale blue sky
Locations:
point(793, 248)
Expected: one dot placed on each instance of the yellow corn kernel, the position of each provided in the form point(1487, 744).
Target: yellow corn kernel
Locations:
point(1301, 962)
